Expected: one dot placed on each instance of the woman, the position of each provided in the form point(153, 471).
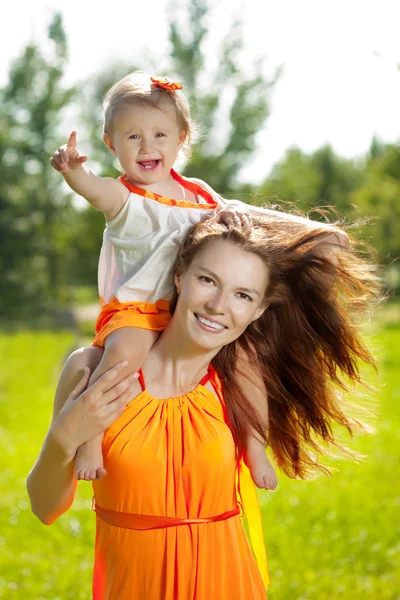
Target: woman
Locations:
point(168, 521)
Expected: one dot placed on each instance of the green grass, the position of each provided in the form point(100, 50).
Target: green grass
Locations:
point(36, 562)
point(339, 537)
point(327, 538)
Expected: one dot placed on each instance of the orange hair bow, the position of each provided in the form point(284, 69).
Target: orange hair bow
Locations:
point(170, 86)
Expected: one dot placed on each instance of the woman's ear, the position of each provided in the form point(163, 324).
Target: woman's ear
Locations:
point(260, 311)
point(109, 143)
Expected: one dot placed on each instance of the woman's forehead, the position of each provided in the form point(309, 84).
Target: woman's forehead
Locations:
point(228, 261)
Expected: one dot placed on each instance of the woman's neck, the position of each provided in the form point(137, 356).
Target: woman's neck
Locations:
point(175, 365)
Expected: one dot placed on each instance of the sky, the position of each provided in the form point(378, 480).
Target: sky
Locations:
point(340, 81)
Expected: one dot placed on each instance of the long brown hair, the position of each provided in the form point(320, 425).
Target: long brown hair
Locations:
point(306, 345)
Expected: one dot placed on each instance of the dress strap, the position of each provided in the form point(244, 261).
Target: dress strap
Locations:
point(206, 377)
point(141, 380)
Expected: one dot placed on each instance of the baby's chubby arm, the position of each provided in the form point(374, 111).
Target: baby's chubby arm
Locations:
point(104, 193)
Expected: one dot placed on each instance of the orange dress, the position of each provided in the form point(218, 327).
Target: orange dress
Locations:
point(167, 515)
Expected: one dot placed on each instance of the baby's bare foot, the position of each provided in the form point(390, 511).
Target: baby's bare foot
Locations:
point(87, 474)
point(261, 470)
point(89, 462)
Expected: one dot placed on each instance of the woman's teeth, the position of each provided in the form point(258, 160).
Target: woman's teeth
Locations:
point(210, 323)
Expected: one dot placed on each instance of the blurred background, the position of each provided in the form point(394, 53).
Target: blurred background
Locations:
point(298, 102)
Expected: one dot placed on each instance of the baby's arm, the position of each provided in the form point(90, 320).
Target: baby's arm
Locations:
point(103, 193)
point(250, 381)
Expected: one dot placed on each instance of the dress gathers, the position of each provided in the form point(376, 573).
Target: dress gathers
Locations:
point(168, 523)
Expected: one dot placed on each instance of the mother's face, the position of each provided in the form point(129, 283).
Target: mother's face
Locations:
point(220, 294)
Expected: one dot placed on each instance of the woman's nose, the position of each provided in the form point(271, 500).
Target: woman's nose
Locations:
point(217, 303)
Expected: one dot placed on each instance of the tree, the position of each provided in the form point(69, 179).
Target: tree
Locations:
point(30, 198)
point(367, 190)
point(378, 197)
point(230, 105)
point(320, 179)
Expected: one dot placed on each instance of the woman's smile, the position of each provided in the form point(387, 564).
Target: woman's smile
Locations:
point(209, 324)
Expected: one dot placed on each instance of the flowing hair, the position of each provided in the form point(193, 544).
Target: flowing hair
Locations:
point(306, 345)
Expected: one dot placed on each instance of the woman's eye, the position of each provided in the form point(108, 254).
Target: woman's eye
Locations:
point(244, 296)
point(206, 279)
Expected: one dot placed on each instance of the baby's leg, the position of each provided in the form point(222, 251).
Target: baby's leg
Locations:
point(128, 343)
point(252, 385)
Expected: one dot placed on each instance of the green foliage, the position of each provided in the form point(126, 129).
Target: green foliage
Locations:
point(319, 179)
point(326, 538)
point(31, 244)
point(366, 191)
point(379, 197)
point(231, 106)
point(48, 245)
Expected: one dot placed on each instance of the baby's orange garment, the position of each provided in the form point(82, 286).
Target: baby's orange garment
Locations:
point(171, 459)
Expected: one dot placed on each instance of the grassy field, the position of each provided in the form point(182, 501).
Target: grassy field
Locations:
point(327, 538)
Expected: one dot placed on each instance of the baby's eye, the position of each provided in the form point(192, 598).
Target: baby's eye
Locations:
point(134, 136)
point(159, 135)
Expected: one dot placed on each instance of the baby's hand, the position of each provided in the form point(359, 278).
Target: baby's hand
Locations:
point(67, 158)
point(237, 215)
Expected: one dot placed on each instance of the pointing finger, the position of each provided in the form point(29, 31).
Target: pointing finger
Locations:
point(72, 139)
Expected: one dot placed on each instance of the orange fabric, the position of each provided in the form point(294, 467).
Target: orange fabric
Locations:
point(116, 314)
point(196, 189)
point(166, 459)
point(131, 521)
point(247, 498)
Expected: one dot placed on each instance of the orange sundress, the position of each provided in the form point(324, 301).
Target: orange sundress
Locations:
point(168, 524)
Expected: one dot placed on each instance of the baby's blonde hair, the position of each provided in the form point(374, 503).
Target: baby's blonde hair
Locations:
point(137, 87)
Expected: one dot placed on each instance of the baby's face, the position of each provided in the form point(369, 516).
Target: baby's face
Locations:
point(146, 141)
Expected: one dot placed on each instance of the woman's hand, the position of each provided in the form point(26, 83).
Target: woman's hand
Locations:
point(88, 412)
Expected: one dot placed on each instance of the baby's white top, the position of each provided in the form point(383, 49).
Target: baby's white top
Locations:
point(141, 243)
